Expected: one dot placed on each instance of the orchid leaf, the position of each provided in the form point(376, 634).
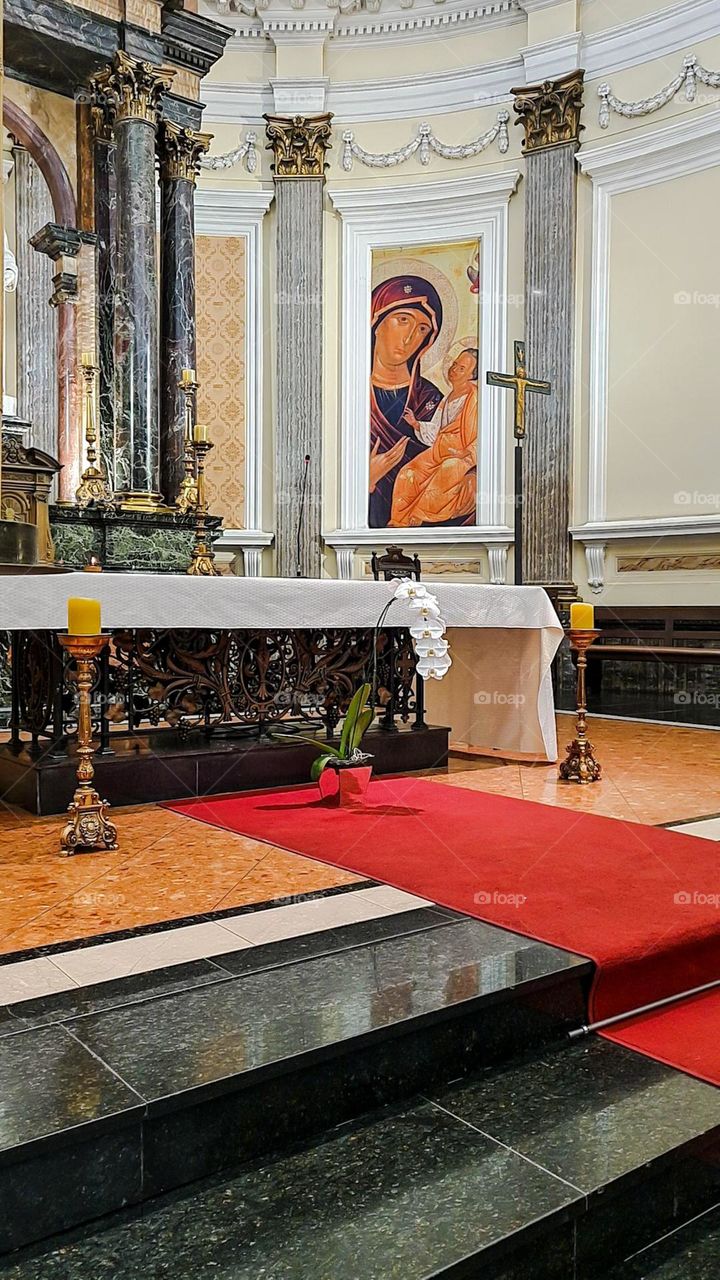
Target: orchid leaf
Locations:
point(359, 699)
point(363, 724)
point(325, 747)
point(320, 764)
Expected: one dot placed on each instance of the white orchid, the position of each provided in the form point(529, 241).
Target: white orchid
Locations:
point(431, 648)
point(427, 607)
point(433, 668)
point(428, 630)
point(406, 589)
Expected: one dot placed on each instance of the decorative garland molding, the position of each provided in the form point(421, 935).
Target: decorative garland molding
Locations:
point(425, 141)
point(657, 35)
point(241, 213)
point(688, 78)
point(641, 158)
point(246, 151)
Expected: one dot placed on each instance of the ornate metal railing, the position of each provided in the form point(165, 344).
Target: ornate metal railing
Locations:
point(181, 682)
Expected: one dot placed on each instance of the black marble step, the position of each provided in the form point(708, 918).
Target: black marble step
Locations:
point(551, 1168)
point(121, 1092)
point(176, 769)
point(690, 1253)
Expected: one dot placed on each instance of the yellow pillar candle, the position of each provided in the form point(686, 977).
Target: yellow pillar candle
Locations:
point(83, 617)
point(187, 376)
point(201, 433)
point(582, 617)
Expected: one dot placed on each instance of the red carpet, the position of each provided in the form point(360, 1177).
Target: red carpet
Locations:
point(642, 902)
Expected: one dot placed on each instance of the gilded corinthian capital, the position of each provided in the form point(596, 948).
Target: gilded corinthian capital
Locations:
point(180, 151)
point(131, 90)
point(299, 145)
point(550, 112)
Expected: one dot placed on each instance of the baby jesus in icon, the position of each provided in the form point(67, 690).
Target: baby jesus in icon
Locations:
point(439, 486)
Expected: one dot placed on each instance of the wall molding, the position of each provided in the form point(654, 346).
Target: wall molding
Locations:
point(692, 72)
point(384, 217)
point(655, 36)
point(639, 159)
point(236, 212)
point(425, 142)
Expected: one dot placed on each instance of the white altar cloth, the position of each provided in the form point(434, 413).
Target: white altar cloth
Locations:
point(497, 694)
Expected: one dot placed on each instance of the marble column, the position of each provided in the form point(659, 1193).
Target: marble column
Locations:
point(550, 115)
point(299, 146)
point(131, 92)
point(179, 150)
point(37, 378)
point(62, 246)
point(105, 230)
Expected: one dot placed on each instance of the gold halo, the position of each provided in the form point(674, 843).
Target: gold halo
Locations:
point(432, 361)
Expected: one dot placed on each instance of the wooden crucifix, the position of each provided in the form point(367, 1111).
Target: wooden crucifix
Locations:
point(520, 385)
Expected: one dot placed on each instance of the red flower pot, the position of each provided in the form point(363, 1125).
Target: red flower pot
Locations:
point(345, 787)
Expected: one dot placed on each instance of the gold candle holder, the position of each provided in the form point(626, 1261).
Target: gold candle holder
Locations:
point(187, 499)
point(580, 764)
point(93, 489)
point(88, 826)
point(202, 563)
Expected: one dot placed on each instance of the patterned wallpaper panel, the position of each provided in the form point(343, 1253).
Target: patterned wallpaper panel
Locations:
point(221, 370)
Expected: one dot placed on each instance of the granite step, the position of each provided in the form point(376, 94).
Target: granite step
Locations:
point(690, 1253)
point(548, 1168)
point(117, 1093)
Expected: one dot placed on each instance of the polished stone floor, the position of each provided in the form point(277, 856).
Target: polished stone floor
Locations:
point(553, 1148)
point(217, 889)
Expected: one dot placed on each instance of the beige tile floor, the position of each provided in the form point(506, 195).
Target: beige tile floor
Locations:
point(171, 868)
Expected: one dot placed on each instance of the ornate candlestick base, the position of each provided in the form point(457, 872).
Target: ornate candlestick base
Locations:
point(88, 826)
point(202, 562)
point(580, 764)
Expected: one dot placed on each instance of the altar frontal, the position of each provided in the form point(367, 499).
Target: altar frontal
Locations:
point(195, 665)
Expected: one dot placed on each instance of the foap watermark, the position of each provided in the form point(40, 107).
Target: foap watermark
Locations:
point(684, 898)
point(498, 898)
point(695, 298)
point(685, 498)
point(696, 698)
point(496, 698)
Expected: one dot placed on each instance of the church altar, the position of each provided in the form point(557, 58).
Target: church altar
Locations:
point(208, 652)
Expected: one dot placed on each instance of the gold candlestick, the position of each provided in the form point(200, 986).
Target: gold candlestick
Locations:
point(187, 499)
point(88, 826)
point(580, 764)
point(93, 489)
point(202, 563)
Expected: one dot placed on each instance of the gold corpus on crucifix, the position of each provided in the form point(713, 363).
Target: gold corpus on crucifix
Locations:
point(94, 489)
point(187, 499)
point(520, 385)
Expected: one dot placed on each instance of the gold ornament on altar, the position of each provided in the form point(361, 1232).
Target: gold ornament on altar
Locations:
point(93, 490)
point(187, 499)
point(88, 827)
point(550, 112)
point(202, 563)
point(299, 145)
point(580, 764)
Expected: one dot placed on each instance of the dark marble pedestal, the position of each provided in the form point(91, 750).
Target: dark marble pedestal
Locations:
point(157, 542)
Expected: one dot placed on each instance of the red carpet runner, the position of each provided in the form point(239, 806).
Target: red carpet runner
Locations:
point(642, 902)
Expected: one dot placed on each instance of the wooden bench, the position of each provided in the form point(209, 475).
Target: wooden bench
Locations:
point(666, 634)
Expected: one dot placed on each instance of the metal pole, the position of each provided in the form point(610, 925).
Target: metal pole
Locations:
point(645, 1008)
point(518, 513)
